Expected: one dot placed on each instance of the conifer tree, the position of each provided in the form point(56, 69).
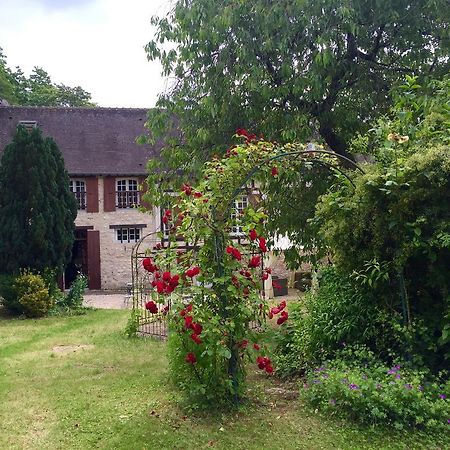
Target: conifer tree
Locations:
point(37, 209)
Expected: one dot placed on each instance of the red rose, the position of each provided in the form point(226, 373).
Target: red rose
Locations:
point(166, 309)
point(152, 307)
point(234, 252)
point(252, 235)
point(243, 343)
point(197, 194)
point(284, 316)
point(196, 338)
point(263, 363)
point(174, 280)
point(189, 307)
point(269, 369)
point(192, 272)
point(196, 328)
point(160, 287)
point(182, 312)
point(187, 189)
point(188, 321)
point(146, 262)
point(165, 220)
point(262, 244)
point(255, 261)
point(166, 276)
point(256, 347)
point(190, 358)
point(242, 132)
point(278, 308)
point(274, 171)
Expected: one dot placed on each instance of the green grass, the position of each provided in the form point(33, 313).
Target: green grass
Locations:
point(114, 394)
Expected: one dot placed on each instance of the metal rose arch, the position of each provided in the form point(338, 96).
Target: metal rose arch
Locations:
point(155, 325)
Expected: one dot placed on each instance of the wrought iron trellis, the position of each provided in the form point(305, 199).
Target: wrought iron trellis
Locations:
point(148, 324)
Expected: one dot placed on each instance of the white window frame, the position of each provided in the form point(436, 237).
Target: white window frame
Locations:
point(78, 187)
point(127, 193)
point(240, 203)
point(124, 234)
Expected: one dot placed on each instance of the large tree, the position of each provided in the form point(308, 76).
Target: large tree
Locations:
point(38, 89)
point(290, 69)
point(7, 87)
point(37, 209)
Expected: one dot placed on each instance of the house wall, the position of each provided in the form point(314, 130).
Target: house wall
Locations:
point(115, 257)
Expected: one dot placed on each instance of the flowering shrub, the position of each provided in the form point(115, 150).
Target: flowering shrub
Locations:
point(374, 393)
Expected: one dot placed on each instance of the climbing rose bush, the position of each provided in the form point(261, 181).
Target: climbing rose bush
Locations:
point(214, 284)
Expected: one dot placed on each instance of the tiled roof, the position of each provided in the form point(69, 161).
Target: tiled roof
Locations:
point(93, 141)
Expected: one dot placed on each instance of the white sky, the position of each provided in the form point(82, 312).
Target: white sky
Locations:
point(95, 44)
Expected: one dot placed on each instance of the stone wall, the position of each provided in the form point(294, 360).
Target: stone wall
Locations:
point(115, 257)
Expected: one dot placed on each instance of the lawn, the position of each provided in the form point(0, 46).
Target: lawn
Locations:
point(79, 383)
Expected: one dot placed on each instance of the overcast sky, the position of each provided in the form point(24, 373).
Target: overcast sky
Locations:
point(96, 44)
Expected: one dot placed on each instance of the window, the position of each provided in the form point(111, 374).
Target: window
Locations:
point(128, 234)
point(28, 124)
point(78, 187)
point(240, 204)
point(127, 193)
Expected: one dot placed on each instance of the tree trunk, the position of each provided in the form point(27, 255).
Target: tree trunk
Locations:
point(335, 142)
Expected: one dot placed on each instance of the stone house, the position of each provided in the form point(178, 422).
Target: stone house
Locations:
point(107, 170)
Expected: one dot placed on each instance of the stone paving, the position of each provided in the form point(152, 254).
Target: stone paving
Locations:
point(119, 300)
point(106, 300)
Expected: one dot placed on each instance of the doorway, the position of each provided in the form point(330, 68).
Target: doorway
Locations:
point(79, 262)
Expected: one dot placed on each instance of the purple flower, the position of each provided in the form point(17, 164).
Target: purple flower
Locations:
point(397, 367)
point(379, 386)
point(333, 402)
point(353, 386)
point(398, 376)
point(319, 369)
point(443, 396)
point(392, 372)
point(325, 375)
point(408, 386)
point(420, 388)
point(316, 381)
point(448, 421)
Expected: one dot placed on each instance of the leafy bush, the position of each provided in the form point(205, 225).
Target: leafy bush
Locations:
point(74, 298)
point(72, 302)
point(32, 295)
point(338, 312)
point(374, 393)
point(8, 294)
point(397, 220)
